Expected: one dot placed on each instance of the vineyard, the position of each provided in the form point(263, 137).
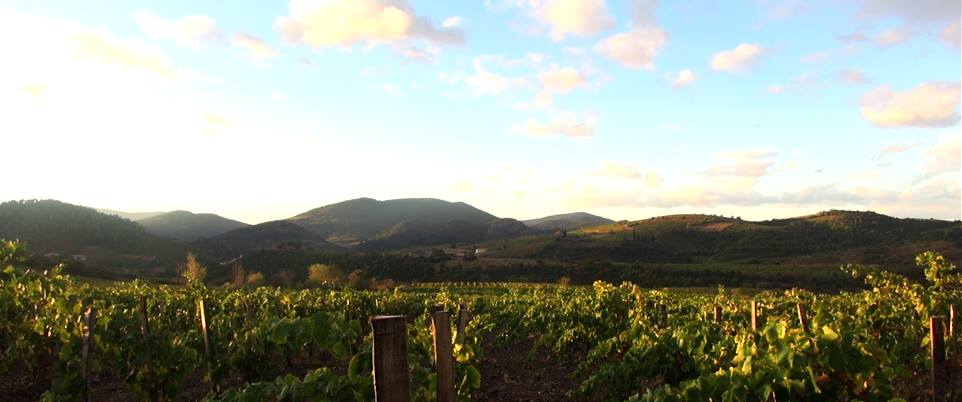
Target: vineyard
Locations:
point(63, 340)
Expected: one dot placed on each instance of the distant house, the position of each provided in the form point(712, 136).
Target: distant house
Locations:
point(480, 251)
point(79, 257)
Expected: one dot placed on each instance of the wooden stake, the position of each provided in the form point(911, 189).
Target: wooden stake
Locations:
point(443, 355)
point(202, 306)
point(155, 394)
point(392, 381)
point(462, 318)
point(90, 323)
point(754, 316)
point(802, 316)
point(953, 321)
point(939, 378)
point(718, 314)
point(431, 310)
point(208, 350)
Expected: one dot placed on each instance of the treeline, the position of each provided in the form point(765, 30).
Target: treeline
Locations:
point(291, 268)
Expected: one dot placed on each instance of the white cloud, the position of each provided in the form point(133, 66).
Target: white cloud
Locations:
point(853, 76)
point(775, 89)
point(564, 125)
point(893, 150)
point(636, 48)
point(327, 23)
point(561, 80)
point(629, 171)
point(912, 12)
point(192, 30)
point(833, 194)
point(572, 17)
point(892, 37)
point(682, 78)
point(755, 162)
point(557, 81)
point(128, 54)
point(277, 96)
point(944, 155)
point(257, 48)
point(940, 17)
point(391, 89)
point(932, 104)
point(951, 35)
point(485, 82)
point(452, 22)
point(817, 57)
point(741, 58)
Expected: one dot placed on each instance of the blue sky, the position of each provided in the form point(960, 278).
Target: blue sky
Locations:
point(261, 110)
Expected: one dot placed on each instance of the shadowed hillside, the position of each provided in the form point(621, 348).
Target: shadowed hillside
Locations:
point(274, 235)
point(414, 234)
point(188, 226)
point(62, 231)
point(351, 222)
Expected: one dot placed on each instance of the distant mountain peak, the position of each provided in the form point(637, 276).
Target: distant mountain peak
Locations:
point(188, 226)
point(354, 221)
point(567, 221)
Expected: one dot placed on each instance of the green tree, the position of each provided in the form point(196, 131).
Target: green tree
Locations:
point(321, 274)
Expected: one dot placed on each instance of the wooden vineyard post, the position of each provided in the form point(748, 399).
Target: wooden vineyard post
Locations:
point(718, 314)
point(389, 351)
point(462, 318)
point(90, 322)
point(431, 310)
point(953, 321)
point(205, 334)
point(939, 377)
point(754, 316)
point(155, 394)
point(802, 316)
point(443, 355)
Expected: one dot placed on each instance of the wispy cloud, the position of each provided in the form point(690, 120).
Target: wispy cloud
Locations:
point(932, 104)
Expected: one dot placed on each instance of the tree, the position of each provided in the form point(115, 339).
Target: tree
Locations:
point(356, 279)
point(193, 272)
point(321, 274)
point(238, 275)
point(255, 279)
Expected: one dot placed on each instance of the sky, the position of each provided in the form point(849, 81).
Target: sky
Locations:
point(260, 110)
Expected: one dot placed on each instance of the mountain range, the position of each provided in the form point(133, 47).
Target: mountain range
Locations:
point(58, 231)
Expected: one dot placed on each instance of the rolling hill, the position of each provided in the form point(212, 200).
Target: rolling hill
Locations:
point(826, 237)
point(134, 216)
point(571, 221)
point(61, 231)
point(273, 235)
point(419, 233)
point(188, 226)
point(355, 221)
